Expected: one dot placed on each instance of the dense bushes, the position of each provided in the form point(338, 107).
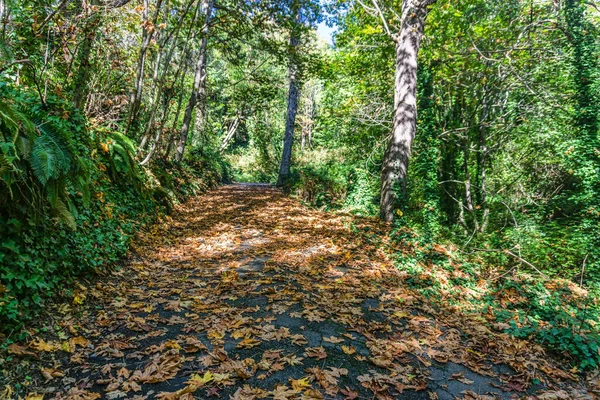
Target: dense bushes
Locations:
point(334, 185)
point(72, 197)
point(555, 312)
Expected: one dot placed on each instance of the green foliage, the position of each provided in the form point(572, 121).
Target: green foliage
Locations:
point(210, 164)
point(40, 161)
point(322, 185)
point(71, 199)
point(362, 192)
point(335, 185)
point(119, 153)
point(558, 315)
point(41, 258)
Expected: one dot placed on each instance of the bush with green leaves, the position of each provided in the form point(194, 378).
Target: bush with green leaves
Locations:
point(72, 198)
point(557, 314)
point(335, 185)
point(43, 154)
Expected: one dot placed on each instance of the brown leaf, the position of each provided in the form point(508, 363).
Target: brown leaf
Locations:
point(51, 373)
point(316, 352)
point(20, 350)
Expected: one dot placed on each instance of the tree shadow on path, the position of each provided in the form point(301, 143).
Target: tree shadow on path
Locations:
point(245, 294)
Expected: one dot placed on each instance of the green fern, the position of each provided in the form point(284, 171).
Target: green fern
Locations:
point(65, 215)
point(13, 122)
point(5, 165)
point(49, 158)
point(39, 160)
point(122, 151)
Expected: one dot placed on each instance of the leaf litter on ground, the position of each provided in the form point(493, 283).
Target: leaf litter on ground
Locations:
point(246, 294)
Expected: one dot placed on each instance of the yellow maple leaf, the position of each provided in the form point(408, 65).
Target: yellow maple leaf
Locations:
point(348, 349)
point(401, 314)
point(214, 334)
point(41, 345)
point(300, 384)
point(172, 344)
point(199, 380)
point(78, 298)
point(238, 334)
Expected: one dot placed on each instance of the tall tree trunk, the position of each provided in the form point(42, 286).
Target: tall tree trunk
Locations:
point(199, 89)
point(483, 155)
point(149, 28)
point(81, 83)
point(468, 191)
point(172, 137)
point(397, 154)
point(3, 18)
point(292, 110)
point(200, 120)
point(159, 83)
point(308, 119)
point(231, 131)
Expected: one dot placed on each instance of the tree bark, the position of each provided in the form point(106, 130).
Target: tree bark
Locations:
point(231, 131)
point(199, 89)
point(482, 167)
point(159, 84)
point(468, 191)
point(307, 119)
point(3, 19)
point(292, 110)
point(147, 34)
point(81, 83)
point(397, 154)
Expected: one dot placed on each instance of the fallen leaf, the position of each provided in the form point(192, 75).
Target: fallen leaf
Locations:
point(51, 373)
point(19, 350)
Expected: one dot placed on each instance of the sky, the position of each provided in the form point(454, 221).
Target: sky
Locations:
point(325, 32)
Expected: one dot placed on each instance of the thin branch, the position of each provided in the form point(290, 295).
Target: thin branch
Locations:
point(525, 262)
point(385, 25)
point(49, 17)
point(7, 66)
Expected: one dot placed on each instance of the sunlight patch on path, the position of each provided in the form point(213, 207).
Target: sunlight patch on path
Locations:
point(246, 294)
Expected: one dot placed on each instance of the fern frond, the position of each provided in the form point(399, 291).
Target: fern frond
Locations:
point(49, 158)
point(124, 141)
point(65, 215)
point(14, 122)
point(53, 193)
point(5, 165)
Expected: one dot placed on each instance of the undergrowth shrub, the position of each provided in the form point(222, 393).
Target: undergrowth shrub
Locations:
point(334, 185)
point(554, 312)
point(557, 314)
point(72, 198)
point(320, 185)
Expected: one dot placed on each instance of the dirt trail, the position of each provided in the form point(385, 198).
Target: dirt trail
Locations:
point(246, 294)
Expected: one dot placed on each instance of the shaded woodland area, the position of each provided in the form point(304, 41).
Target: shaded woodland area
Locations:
point(460, 139)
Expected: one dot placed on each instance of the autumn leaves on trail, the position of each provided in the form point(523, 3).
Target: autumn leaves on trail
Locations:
point(246, 294)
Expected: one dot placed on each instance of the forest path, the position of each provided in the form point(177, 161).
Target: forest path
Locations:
point(246, 294)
